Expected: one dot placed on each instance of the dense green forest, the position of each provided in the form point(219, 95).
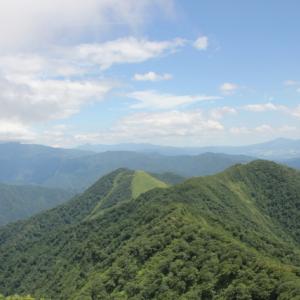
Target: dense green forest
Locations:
point(20, 202)
point(234, 235)
point(16, 297)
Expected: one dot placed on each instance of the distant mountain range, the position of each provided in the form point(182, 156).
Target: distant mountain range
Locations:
point(276, 149)
point(20, 202)
point(234, 235)
point(75, 169)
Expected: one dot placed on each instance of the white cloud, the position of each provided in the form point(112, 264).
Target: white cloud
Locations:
point(265, 107)
point(120, 51)
point(31, 100)
point(155, 100)
point(31, 92)
point(201, 43)
point(262, 130)
point(31, 23)
point(229, 88)
point(219, 112)
point(162, 126)
point(152, 76)
point(15, 131)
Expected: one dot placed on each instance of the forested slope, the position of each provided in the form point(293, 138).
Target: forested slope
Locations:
point(234, 235)
point(20, 202)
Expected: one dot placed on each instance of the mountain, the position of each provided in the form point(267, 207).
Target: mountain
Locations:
point(32, 164)
point(75, 170)
point(20, 202)
point(81, 172)
point(293, 163)
point(276, 149)
point(234, 235)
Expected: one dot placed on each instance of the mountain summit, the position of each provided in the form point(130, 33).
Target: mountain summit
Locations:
point(234, 235)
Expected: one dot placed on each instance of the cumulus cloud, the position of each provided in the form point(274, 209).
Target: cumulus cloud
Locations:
point(155, 100)
point(201, 43)
point(31, 100)
point(120, 51)
point(15, 131)
point(229, 88)
point(35, 88)
point(31, 23)
point(152, 76)
point(161, 126)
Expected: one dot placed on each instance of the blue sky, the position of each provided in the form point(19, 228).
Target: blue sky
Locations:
point(167, 72)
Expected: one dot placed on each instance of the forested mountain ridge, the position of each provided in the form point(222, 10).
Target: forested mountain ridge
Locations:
point(20, 202)
point(234, 235)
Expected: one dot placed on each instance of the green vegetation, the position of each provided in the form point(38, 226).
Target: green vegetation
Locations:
point(143, 182)
point(16, 297)
point(234, 235)
point(20, 202)
point(169, 178)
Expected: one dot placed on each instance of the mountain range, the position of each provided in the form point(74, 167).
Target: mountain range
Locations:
point(20, 202)
point(278, 149)
point(75, 170)
point(233, 235)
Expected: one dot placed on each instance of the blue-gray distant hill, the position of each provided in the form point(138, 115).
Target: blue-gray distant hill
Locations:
point(277, 149)
point(75, 170)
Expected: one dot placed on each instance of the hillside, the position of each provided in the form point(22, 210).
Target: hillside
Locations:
point(234, 235)
point(75, 170)
point(20, 202)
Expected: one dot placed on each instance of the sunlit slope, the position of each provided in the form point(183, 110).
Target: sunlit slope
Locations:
point(234, 235)
point(143, 182)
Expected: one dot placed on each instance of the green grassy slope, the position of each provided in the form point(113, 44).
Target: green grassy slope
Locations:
point(143, 182)
point(20, 202)
point(229, 236)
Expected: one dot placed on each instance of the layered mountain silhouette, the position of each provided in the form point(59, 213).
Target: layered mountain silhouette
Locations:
point(234, 235)
point(75, 170)
point(279, 149)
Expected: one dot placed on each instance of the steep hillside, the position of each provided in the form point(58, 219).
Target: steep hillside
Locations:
point(20, 202)
point(234, 235)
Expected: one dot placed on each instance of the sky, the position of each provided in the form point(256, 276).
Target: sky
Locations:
point(169, 72)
